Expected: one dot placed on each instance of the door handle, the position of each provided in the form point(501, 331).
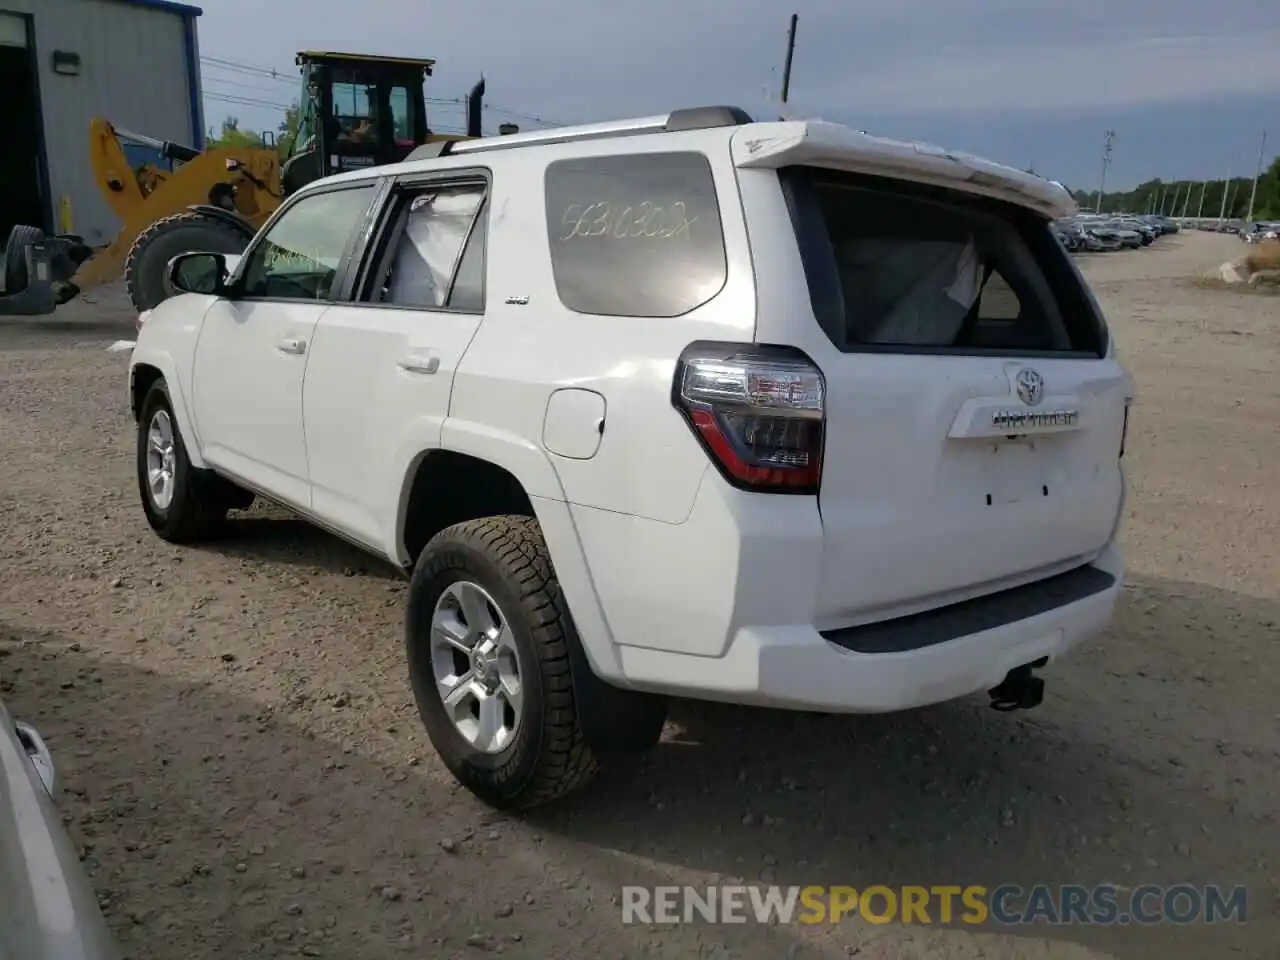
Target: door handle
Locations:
point(293, 345)
point(416, 363)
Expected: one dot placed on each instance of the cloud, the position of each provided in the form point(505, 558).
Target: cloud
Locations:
point(1061, 75)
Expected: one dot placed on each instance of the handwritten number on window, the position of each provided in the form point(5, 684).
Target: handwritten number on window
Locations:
point(645, 220)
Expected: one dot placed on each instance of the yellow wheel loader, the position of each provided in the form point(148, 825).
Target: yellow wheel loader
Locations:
point(355, 111)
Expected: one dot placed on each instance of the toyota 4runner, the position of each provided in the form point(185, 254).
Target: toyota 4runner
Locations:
point(770, 413)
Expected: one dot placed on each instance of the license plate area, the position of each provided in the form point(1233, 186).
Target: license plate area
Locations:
point(1014, 471)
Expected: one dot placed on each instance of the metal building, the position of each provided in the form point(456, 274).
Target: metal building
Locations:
point(63, 62)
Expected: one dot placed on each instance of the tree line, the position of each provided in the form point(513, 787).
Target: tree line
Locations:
point(230, 134)
point(1148, 196)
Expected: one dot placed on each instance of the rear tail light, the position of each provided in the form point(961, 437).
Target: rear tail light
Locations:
point(758, 412)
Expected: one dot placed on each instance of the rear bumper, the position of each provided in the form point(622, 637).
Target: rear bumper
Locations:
point(795, 667)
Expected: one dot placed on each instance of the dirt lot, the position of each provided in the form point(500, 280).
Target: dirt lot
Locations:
point(245, 769)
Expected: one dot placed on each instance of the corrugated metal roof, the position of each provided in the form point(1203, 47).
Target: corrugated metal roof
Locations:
point(170, 6)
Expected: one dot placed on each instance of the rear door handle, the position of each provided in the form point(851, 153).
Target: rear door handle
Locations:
point(418, 363)
point(292, 345)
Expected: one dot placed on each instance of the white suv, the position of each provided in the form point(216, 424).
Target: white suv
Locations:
point(771, 413)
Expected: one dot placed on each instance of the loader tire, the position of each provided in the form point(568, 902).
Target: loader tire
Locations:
point(146, 270)
point(15, 259)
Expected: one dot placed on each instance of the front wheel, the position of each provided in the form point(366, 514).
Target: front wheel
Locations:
point(182, 503)
point(487, 635)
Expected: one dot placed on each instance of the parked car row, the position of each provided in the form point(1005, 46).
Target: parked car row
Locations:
point(1222, 226)
point(1260, 231)
point(1102, 233)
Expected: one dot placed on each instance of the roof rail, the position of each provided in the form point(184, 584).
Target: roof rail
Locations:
point(704, 118)
point(692, 118)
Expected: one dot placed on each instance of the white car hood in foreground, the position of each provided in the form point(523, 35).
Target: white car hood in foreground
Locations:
point(824, 144)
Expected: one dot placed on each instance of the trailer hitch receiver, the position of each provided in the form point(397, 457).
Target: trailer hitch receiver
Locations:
point(1019, 690)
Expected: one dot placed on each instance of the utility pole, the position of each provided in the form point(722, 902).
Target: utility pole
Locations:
point(1232, 203)
point(1106, 162)
point(1164, 192)
point(1200, 209)
point(1253, 194)
point(1186, 199)
point(791, 52)
point(1222, 213)
point(1173, 207)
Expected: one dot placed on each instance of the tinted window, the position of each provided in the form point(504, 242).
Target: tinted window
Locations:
point(427, 245)
point(299, 256)
point(635, 236)
point(893, 266)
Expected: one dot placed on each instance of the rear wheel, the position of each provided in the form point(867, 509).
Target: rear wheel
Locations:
point(147, 269)
point(487, 635)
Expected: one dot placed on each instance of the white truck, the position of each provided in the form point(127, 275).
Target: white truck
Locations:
point(689, 405)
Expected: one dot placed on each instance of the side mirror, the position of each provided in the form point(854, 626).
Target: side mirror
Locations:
point(199, 273)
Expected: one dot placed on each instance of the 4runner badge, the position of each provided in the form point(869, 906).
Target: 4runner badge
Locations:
point(1030, 386)
point(517, 301)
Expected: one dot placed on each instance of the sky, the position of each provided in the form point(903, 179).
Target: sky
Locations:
point(1188, 86)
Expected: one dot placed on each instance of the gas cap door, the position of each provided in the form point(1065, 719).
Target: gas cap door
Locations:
point(574, 423)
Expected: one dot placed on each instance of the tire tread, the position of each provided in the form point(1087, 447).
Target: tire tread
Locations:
point(516, 546)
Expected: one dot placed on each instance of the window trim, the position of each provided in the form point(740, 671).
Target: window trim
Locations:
point(237, 280)
point(385, 229)
point(823, 280)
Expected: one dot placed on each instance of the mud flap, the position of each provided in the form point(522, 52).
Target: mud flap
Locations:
point(614, 722)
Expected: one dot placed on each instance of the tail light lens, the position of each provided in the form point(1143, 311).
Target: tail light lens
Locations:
point(758, 412)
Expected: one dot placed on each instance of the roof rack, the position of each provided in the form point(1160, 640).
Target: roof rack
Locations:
point(690, 118)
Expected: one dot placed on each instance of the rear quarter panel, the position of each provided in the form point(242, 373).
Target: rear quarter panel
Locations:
point(648, 463)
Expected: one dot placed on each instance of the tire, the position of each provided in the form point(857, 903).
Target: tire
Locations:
point(198, 501)
point(146, 269)
point(15, 260)
point(546, 755)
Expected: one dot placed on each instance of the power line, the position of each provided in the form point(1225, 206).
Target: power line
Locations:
point(235, 66)
point(245, 101)
point(242, 86)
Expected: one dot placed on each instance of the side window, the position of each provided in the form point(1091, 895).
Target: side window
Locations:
point(636, 235)
point(300, 254)
point(439, 235)
point(355, 110)
point(400, 117)
point(468, 284)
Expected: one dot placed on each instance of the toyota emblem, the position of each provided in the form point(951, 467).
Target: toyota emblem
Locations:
point(1030, 386)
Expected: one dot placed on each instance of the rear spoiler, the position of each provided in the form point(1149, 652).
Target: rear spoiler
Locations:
point(823, 144)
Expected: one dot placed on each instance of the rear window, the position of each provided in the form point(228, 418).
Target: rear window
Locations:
point(636, 235)
point(906, 268)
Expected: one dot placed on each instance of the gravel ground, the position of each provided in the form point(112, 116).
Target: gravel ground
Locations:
point(246, 773)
